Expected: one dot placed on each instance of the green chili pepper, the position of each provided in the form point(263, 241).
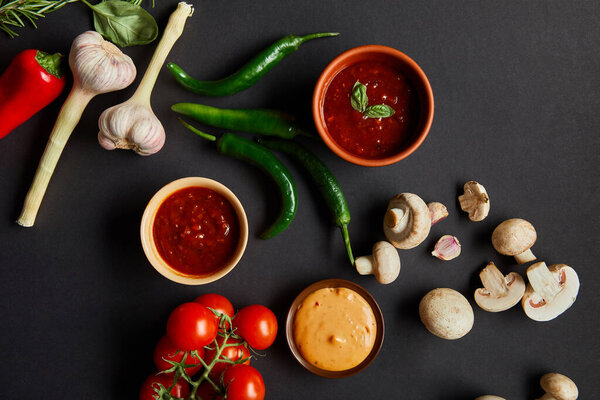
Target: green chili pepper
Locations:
point(255, 154)
point(326, 182)
point(250, 73)
point(266, 122)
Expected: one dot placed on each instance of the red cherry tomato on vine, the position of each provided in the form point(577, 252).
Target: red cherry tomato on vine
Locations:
point(191, 326)
point(243, 382)
point(257, 325)
point(147, 392)
point(166, 350)
point(234, 353)
point(216, 302)
point(207, 392)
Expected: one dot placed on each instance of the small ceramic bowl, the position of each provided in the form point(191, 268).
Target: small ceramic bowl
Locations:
point(146, 231)
point(334, 283)
point(408, 68)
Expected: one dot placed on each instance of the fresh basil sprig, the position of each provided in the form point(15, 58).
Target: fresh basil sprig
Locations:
point(359, 101)
point(124, 23)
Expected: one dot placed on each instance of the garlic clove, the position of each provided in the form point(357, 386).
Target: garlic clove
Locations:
point(446, 248)
point(131, 126)
point(98, 65)
point(438, 212)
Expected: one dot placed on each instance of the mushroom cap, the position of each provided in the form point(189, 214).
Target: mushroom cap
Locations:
point(513, 236)
point(446, 313)
point(387, 262)
point(490, 397)
point(539, 309)
point(491, 303)
point(415, 222)
point(559, 386)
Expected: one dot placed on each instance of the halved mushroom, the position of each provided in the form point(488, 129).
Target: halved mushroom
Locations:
point(558, 387)
point(407, 221)
point(446, 313)
point(514, 237)
point(475, 201)
point(499, 292)
point(384, 263)
point(550, 291)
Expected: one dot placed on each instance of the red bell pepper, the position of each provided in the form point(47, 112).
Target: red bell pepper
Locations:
point(31, 82)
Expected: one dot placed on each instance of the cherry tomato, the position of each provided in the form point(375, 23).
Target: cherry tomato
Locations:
point(166, 350)
point(206, 391)
point(243, 382)
point(191, 326)
point(257, 324)
point(234, 353)
point(216, 302)
point(147, 392)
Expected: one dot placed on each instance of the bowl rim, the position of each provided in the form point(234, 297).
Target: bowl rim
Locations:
point(335, 283)
point(147, 237)
point(339, 63)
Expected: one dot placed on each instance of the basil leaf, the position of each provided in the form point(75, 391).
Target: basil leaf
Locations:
point(359, 99)
point(124, 24)
point(379, 111)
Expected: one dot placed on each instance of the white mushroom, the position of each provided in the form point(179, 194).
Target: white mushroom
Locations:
point(446, 313)
point(550, 291)
point(558, 387)
point(437, 212)
point(490, 397)
point(475, 201)
point(407, 221)
point(499, 292)
point(384, 263)
point(514, 237)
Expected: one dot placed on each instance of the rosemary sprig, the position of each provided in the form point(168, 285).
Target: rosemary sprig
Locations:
point(14, 13)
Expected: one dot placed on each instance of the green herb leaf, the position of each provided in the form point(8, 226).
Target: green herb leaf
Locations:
point(359, 99)
point(124, 24)
point(379, 111)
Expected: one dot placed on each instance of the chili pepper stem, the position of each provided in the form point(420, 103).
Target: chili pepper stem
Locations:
point(346, 237)
point(69, 116)
point(198, 132)
point(318, 35)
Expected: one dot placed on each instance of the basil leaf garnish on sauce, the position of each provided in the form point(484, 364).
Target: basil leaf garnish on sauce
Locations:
point(359, 101)
point(379, 111)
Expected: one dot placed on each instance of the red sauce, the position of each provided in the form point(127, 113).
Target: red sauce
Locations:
point(196, 231)
point(371, 137)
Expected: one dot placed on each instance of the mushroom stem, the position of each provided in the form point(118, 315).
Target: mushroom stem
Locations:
point(543, 282)
point(397, 219)
point(493, 280)
point(364, 265)
point(524, 257)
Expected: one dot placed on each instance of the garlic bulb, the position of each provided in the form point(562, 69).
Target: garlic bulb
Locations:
point(132, 124)
point(98, 67)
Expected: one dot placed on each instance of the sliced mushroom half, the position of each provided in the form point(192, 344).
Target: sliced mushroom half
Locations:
point(550, 291)
point(407, 221)
point(475, 201)
point(499, 292)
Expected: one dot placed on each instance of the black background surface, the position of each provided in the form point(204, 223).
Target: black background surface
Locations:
point(517, 95)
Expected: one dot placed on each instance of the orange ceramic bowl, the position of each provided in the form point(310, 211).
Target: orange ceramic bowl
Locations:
point(407, 67)
point(147, 234)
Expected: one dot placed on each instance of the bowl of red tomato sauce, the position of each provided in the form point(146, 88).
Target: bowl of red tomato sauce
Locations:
point(194, 231)
point(373, 105)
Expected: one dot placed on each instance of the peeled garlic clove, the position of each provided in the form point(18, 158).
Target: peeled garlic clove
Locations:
point(131, 126)
point(437, 211)
point(446, 248)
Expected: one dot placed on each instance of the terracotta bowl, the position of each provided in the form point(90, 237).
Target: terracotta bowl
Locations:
point(408, 68)
point(334, 283)
point(146, 231)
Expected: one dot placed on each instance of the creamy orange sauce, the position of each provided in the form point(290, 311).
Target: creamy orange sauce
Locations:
point(334, 329)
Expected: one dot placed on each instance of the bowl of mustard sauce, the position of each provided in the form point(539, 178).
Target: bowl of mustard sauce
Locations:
point(334, 328)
